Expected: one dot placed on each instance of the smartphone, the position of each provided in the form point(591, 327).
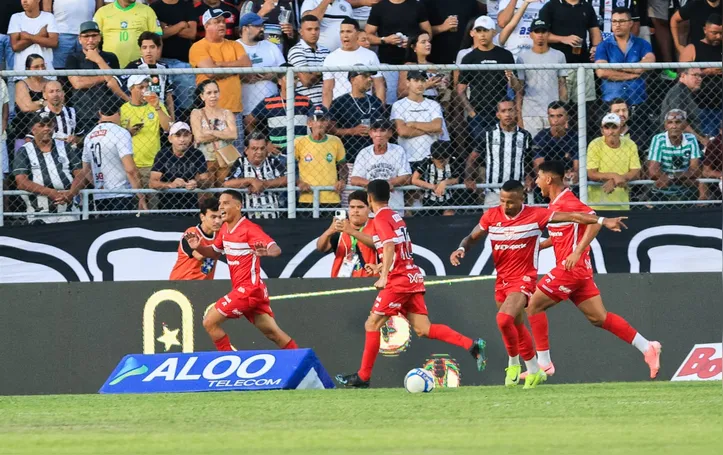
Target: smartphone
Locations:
point(340, 215)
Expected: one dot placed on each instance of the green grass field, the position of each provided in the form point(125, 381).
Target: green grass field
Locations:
point(630, 418)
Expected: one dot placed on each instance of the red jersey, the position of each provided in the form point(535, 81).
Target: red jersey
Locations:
point(237, 244)
point(515, 241)
point(404, 276)
point(356, 254)
point(188, 267)
point(566, 236)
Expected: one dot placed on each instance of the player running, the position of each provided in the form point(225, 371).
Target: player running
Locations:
point(514, 230)
point(190, 265)
point(243, 242)
point(401, 290)
point(572, 277)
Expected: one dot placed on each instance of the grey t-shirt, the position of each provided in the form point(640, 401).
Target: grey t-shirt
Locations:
point(541, 87)
point(681, 97)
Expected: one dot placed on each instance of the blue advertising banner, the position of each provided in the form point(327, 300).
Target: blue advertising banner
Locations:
point(218, 371)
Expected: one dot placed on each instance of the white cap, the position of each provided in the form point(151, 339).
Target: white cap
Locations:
point(611, 118)
point(137, 79)
point(485, 22)
point(178, 126)
point(213, 13)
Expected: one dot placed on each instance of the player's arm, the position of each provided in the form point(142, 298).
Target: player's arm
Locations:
point(475, 236)
point(364, 238)
point(614, 224)
point(590, 233)
point(387, 260)
point(194, 242)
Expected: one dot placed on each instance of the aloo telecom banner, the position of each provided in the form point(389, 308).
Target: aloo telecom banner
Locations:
point(141, 249)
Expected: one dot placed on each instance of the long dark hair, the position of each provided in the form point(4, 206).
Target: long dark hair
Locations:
point(198, 103)
point(29, 60)
point(411, 55)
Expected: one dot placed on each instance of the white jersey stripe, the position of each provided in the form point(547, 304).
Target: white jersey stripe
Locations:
point(518, 236)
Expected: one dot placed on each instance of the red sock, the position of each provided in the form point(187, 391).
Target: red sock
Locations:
point(619, 327)
point(444, 333)
point(506, 323)
point(527, 349)
point(291, 345)
point(371, 349)
point(540, 332)
point(223, 344)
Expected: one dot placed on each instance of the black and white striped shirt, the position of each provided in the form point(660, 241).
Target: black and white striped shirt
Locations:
point(430, 173)
point(508, 155)
point(302, 54)
point(270, 169)
point(65, 121)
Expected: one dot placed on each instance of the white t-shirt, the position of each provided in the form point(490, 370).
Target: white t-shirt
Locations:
point(519, 39)
point(331, 22)
point(391, 164)
point(541, 87)
point(264, 54)
point(69, 14)
point(20, 22)
point(493, 9)
point(361, 13)
point(104, 147)
point(340, 57)
point(420, 147)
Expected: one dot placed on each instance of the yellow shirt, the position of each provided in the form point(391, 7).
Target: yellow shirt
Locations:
point(147, 142)
point(225, 51)
point(317, 165)
point(121, 28)
point(607, 159)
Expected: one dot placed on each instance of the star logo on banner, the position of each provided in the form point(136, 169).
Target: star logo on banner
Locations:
point(169, 338)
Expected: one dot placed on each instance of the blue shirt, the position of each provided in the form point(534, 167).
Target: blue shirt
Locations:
point(632, 91)
point(551, 148)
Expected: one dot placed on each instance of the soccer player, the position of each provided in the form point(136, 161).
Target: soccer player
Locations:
point(244, 243)
point(572, 277)
point(514, 230)
point(401, 290)
point(190, 265)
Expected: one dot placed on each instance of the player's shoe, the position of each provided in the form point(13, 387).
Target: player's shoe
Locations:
point(533, 380)
point(352, 380)
point(512, 375)
point(652, 358)
point(549, 371)
point(478, 352)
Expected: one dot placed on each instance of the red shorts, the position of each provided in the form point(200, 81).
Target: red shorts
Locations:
point(391, 303)
point(246, 302)
point(525, 285)
point(559, 285)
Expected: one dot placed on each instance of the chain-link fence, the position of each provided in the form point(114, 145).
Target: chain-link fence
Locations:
point(89, 143)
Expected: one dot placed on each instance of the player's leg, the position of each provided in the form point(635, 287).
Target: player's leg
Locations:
point(212, 323)
point(271, 330)
point(515, 336)
point(539, 303)
point(361, 378)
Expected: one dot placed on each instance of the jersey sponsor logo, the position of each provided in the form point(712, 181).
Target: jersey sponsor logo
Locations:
point(526, 278)
point(565, 289)
point(505, 247)
point(556, 234)
point(395, 305)
point(241, 289)
point(233, 262)
point(98, 133)
point(703, 363)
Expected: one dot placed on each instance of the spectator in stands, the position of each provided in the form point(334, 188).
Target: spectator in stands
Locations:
point(180, 166)
point(332, 14)
point(520, 38)
point(383, 160)
point(321, 161)
point(45, 168)
point(214, 51)
point(214, 128)
point(710, 96)
point(33, 32)
point(161, 84)
point(353, 113)
point(69, 14)
point(350, 53)
point(613, 160)
point(696, 12)
point(178, 22)
point(7, 56)
point(418, 51)
point(659, 13)
point(277, 32)
point(4, 116)
point(144, 116)
point(605, 12)
point(363, 39)
point(434, 174)
point(28, 96)
point(262, 53)
point(92, 92)
point(559, 142)
point(448, 20)
point(121, 24)
point(307, 52)
point(390, 24)
point(682, 96)
point(270, 116)
point(256, 172)
point(540, 87)
point(674, 161)
point(713, 167)
point(637, 134)
point(65, 116)
point(231, 17)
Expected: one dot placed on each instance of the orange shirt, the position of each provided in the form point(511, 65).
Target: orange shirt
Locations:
point(225, 51)
point(342, 246)
point(188, 267)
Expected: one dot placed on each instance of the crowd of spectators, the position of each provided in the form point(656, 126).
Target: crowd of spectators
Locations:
point(431, 129)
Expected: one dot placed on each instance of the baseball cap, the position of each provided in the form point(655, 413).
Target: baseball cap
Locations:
point(319, 111)
point(417, 75)
point(178, 126)
point(485, 22)
point(539, 24)
point(353, 74)
point(89, 26)
point(381, 123)
point(137, 79)
point(41, 117)
point(251, 19)
point(611, 118)
point(213, 13)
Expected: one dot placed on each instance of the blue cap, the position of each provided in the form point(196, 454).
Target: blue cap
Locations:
point(319, 111)
point(251, 19)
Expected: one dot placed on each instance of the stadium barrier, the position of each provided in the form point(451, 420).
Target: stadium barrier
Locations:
point(80, 331)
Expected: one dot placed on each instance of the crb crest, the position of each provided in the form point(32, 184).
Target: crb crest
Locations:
point(444, 369)
point(396, 335)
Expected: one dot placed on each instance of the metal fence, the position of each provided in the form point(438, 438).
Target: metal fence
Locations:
point(452, 143)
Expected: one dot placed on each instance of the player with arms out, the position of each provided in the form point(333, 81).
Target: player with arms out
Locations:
point(514, 230)
point(401, 290)
point(572, 279)
point(244, 243)
point(190, 265)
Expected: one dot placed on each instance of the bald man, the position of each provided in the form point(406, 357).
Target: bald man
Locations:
point(65, 123)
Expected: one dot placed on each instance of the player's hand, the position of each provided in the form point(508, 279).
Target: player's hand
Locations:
point(455, 257)
point(615, 224)
point(571, 261)
point(373, 269)
point(192, 239)
point(260, 249)
point(381, 283)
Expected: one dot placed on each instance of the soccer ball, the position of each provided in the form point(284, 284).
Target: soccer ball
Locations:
point(418, 380)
